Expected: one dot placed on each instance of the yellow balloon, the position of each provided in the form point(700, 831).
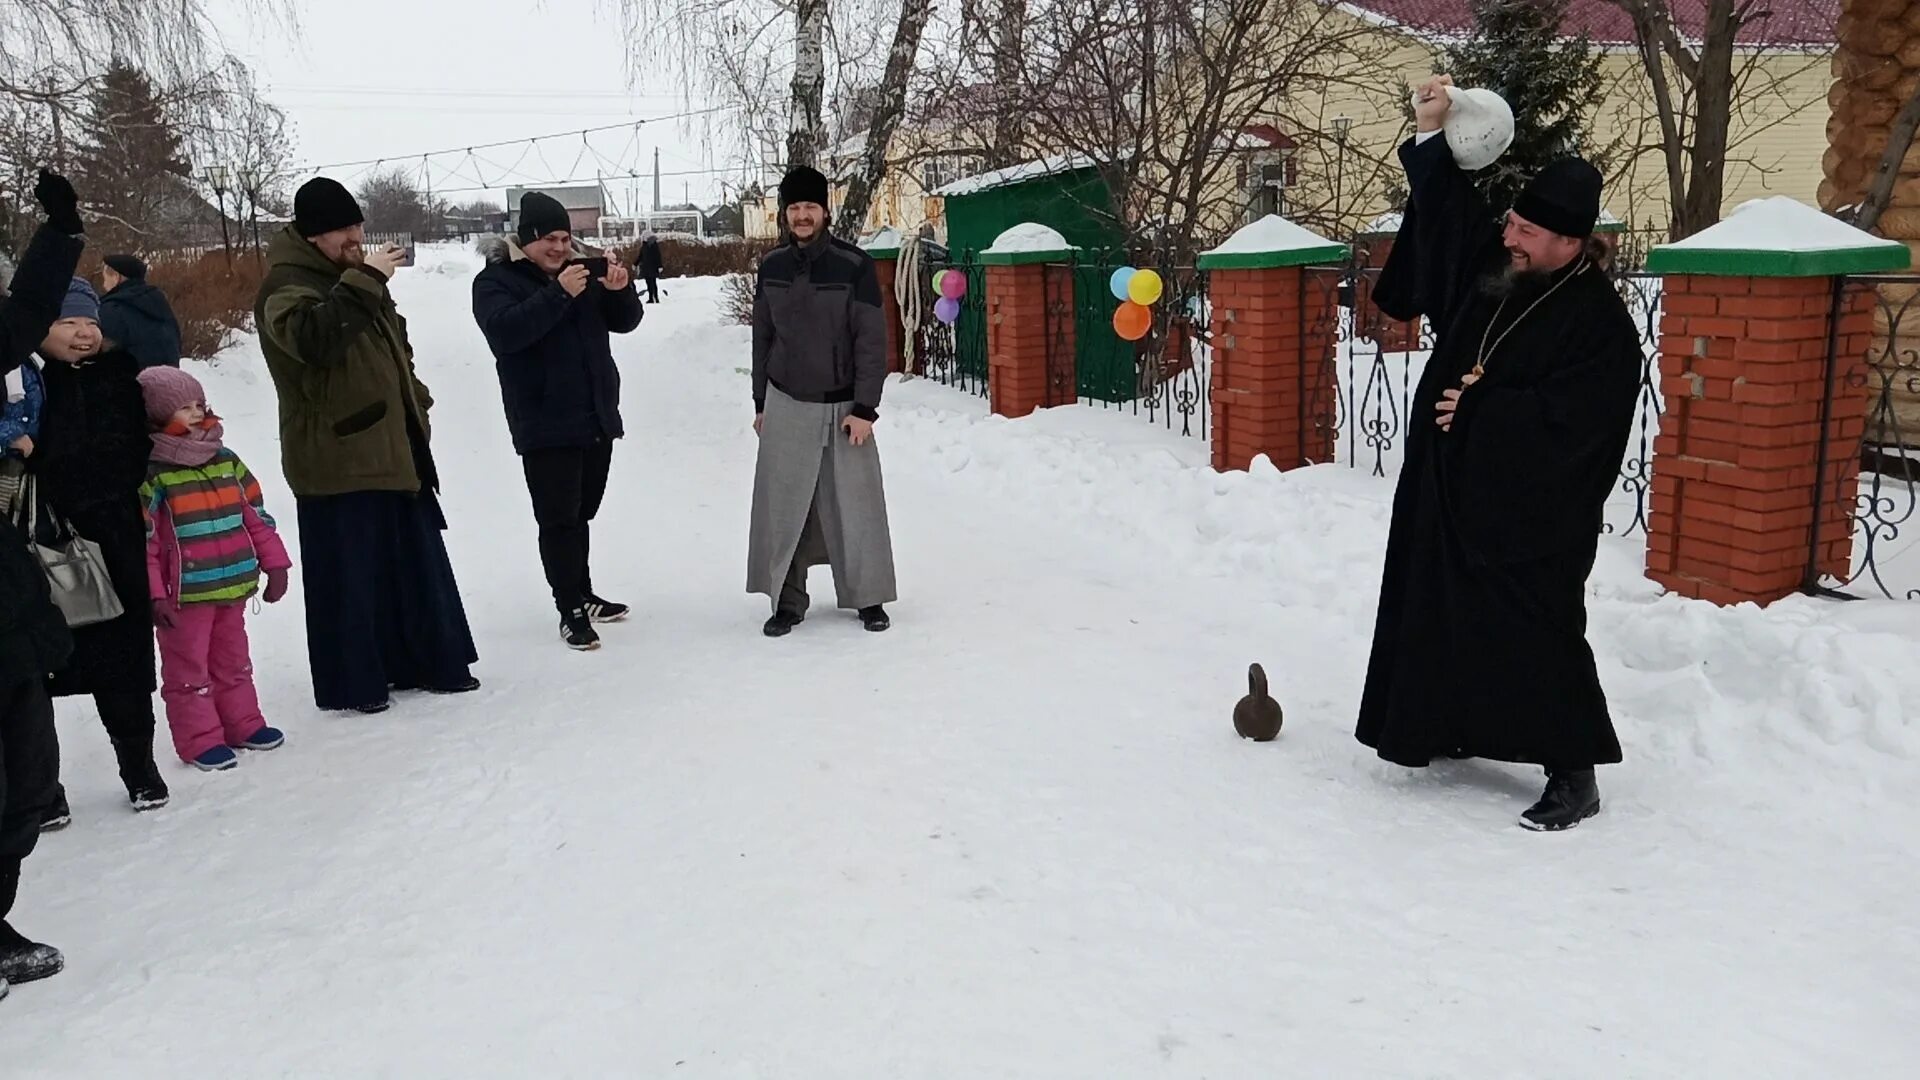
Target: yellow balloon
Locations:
point(1145, 288)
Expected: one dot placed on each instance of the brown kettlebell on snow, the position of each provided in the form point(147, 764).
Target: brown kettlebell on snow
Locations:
point(1258, 716)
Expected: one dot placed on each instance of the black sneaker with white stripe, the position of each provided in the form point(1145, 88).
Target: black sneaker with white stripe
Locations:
point(599, 610)
point(576, 629)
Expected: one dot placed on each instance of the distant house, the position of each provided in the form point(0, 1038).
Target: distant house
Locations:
point(586, 204)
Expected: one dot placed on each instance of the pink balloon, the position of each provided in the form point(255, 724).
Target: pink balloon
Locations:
point(953, 285)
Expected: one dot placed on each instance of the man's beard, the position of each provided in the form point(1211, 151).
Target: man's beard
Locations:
point(352, 256)
point(1513, 279)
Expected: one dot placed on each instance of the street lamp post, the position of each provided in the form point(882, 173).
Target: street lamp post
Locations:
point(217, 179)
point(1341, 126)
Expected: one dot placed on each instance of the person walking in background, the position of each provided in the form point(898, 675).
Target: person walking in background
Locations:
point(650, 265)
point(136, 316)
point(87, 466)
point(209, 539)
point(383, 608)
point(819, 365)
point(34, 639)
point(549, 323)
point(1521, 419)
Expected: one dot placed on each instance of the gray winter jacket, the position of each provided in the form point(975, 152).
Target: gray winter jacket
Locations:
point(818, 331)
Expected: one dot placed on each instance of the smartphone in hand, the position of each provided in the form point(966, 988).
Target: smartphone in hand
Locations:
point(596, 266)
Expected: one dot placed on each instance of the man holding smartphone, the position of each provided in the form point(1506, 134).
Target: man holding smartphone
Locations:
point(548, 315)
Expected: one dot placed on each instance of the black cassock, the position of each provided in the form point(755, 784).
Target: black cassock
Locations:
point(1479, 647)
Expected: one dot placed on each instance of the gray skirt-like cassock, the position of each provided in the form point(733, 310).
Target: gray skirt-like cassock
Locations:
point(817, 498)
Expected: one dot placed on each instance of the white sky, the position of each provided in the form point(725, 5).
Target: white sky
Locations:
point(396, 78)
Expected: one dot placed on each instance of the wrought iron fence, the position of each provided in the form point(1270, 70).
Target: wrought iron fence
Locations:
point(1167, 375)
point(953, 354)
point(1362, 405)
point(1883, 500)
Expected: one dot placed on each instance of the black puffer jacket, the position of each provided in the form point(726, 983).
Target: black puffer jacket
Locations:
point(89, 464)
point(552, 351)
point(33, 637)
point(137, 317)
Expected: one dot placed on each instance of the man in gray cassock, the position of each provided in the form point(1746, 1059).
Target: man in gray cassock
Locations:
point(819, 365)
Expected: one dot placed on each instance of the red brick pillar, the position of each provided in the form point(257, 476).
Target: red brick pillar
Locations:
point(1274, 323)
point(1744, 372)
point(886, 263)
point(1030, 337)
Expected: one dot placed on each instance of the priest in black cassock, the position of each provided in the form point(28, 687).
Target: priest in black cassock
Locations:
point(1515, 439)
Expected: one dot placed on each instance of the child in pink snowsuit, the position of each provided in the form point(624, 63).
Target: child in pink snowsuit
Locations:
point(208, 541)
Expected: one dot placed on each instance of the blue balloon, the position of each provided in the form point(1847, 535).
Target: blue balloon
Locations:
point(1120, 280)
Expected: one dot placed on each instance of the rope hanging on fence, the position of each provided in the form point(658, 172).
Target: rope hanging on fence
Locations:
point(906, 289)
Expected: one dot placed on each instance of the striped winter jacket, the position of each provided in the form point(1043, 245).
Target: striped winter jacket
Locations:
point(208, 534)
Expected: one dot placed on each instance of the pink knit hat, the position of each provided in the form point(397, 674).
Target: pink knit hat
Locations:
point(167, 390)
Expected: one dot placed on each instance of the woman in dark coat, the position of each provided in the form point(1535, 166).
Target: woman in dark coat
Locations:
point(88, 467)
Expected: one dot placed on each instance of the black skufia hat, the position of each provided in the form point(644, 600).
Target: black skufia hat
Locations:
point(1564, 197)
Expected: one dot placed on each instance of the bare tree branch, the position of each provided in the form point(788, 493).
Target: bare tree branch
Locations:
point(1899, 141)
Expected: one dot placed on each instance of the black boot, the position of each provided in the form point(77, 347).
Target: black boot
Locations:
point(782, 623)
point(875, 618)
point(57, 815)
point(141, 775)
point(1572, 796)
point(23, 961)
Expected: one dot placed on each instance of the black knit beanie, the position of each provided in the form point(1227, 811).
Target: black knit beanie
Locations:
point(322, 205)
point(1564, 198)
point(541, 214)
point(127, 266)
point(804, 185)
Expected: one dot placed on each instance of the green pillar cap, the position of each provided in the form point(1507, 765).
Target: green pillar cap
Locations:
point(1272, 242)
point(1779, 237)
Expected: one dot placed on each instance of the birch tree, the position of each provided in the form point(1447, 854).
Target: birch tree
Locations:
point(889, 105)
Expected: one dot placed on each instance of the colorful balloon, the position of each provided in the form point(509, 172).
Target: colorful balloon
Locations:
point(1119, 281)
point(946, 309)
point(1132, 321)
point(1144, 288)
point(953, 285)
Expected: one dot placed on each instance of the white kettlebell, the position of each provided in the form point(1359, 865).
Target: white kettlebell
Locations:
point(1478, 127)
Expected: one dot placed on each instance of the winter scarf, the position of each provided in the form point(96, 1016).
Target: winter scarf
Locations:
point(177, 444)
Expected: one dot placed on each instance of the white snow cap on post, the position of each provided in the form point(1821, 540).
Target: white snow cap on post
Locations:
point(1028, 238)
point(1779, 237)
point(1270, 243)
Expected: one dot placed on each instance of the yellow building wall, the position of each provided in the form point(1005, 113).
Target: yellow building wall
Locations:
point(1778, 134)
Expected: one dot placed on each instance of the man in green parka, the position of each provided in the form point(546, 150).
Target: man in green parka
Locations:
point(383, 609)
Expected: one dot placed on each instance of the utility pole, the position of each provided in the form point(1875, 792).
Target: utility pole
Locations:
point(656, 179)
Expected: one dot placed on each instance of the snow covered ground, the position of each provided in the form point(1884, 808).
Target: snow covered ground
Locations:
point(1014, 837)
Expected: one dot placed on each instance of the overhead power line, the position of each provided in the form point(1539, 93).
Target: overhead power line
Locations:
point(527, 139)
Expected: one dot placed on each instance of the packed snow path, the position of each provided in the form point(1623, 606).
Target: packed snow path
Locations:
point(1013, 837)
